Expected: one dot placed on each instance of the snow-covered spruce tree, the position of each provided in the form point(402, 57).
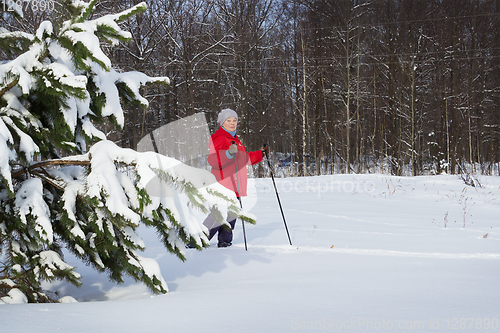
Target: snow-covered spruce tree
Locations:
point(92, 200)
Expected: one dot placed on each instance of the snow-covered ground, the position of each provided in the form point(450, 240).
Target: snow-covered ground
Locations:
point(370, 253)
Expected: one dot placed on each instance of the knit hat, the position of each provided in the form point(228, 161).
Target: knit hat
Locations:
point(224, 114)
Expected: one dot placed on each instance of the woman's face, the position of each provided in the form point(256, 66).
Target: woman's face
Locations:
point(230, 124)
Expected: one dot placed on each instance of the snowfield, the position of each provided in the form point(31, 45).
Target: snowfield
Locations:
point(371, 253)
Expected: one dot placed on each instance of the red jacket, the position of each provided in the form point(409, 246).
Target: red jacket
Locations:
point(223, 168)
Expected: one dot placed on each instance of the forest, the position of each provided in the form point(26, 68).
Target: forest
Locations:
point(401, 87)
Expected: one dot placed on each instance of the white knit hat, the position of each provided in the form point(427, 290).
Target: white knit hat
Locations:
point(224, 114)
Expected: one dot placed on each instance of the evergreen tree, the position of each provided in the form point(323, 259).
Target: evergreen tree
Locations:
point(56, 192)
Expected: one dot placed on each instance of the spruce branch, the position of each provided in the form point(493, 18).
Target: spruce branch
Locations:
point(9, 86)
point(125, 15)
point(42, 164)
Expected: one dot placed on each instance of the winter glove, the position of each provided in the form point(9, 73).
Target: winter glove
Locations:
point(265, 150)
point(233, 149)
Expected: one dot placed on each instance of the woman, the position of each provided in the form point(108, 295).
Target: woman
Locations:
point(225, 149)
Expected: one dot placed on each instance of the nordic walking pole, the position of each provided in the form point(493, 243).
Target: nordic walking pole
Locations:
point(277, 196)
point(239, 197)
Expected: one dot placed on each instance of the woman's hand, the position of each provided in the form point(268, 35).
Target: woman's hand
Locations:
point(233, 149)
point(265, 150)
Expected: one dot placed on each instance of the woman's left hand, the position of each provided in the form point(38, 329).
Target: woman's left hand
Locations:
point(265, 150)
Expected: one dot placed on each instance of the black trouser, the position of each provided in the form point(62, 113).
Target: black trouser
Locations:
point(225, 233)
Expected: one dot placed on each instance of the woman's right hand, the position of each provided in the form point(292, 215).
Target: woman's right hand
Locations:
point(233, 149)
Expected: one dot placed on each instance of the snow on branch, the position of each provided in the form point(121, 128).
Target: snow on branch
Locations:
point(32, 209)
